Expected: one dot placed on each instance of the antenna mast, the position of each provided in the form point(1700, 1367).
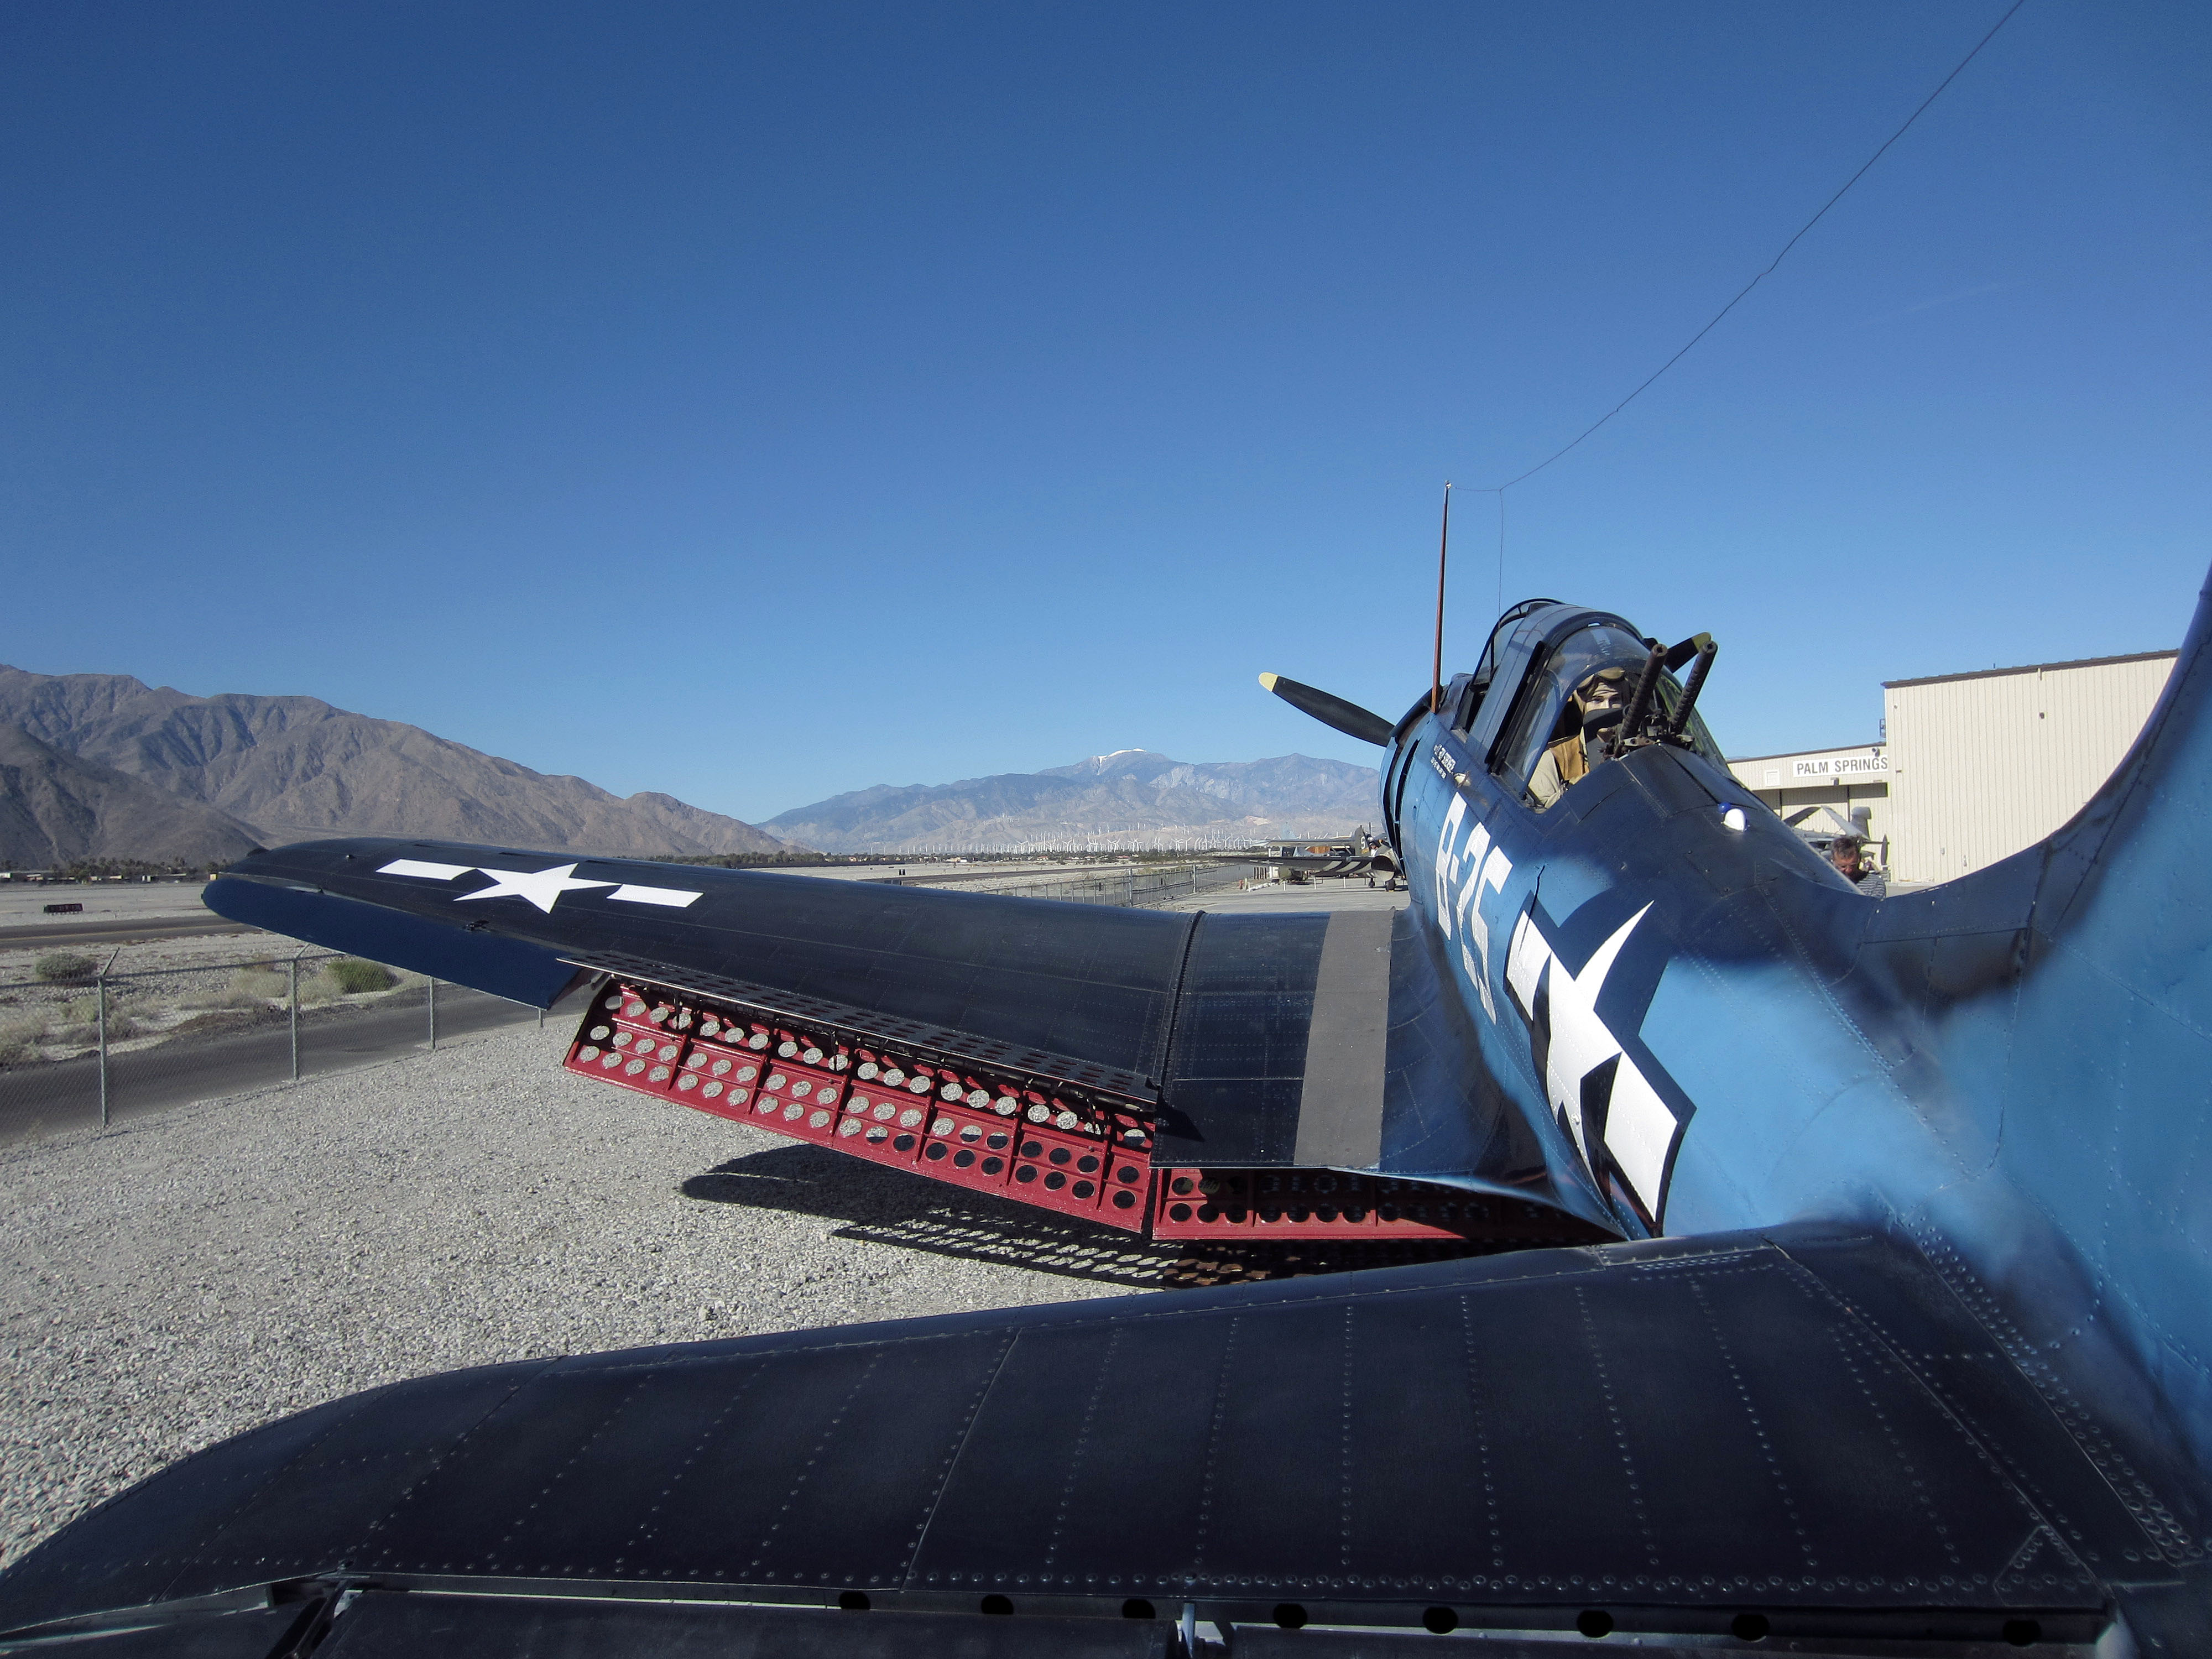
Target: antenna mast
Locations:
point(1437, 667)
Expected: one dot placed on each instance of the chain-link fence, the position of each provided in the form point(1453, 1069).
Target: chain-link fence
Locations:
point(81, 1047)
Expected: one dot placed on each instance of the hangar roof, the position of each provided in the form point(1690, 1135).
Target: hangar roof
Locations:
point(2029, 668)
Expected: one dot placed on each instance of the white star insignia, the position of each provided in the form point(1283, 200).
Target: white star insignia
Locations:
point(541, 887)
point(1580, 1042)
point(1640, 1129)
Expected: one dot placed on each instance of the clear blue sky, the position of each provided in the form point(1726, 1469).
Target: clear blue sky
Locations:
point(760, 404)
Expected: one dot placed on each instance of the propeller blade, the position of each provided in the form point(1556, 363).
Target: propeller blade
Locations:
point(1348, 718)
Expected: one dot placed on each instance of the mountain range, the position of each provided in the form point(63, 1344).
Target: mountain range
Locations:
point(1133, 798)
point(103, 765)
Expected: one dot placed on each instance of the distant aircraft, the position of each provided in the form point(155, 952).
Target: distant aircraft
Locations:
point(1877, 1316)
point(1356, 854)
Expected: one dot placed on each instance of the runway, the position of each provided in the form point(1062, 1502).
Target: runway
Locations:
point(120, 932)
point(114, 913)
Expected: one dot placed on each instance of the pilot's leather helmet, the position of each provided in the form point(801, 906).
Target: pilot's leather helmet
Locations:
point(1598, 702)
point(1608, 685)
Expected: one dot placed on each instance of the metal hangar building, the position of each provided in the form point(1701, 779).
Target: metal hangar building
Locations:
point(1974, 767)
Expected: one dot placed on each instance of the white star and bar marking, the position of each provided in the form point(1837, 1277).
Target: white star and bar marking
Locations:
point(1639, 1128)
point(675, 898)
point(542, 888)
point(427, 872)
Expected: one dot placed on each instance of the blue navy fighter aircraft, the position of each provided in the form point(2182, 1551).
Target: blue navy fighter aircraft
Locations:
point(1865, 1304)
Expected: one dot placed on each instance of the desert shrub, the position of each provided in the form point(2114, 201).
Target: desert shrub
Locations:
point(17, 1033)
point(354, 977)
point(78, 1020)
point(64, 968)
point(316, 990)
point(225, 996)
point(263, 984)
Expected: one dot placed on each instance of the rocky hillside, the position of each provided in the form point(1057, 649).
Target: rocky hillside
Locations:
point(1133, 798)
point(291, 768)
point(56, 809)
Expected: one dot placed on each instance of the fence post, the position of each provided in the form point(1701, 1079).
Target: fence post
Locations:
point(100, 986)
point(433, 1016)
point(100, 1012)
point(295, 965)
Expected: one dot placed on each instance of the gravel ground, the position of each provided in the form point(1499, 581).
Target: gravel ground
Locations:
point(189, 1276)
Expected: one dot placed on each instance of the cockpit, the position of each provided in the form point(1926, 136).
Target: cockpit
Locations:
point(1560, 688)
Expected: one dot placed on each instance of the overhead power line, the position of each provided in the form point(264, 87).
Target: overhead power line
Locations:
point(1499, 490)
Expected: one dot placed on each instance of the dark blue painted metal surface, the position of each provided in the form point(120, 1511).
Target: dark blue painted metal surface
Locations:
point(1240, 1047)
point(384, 1625)
point(505, 966)
point(1909, 1337)
point(1092, 983)
point(1678, 1433)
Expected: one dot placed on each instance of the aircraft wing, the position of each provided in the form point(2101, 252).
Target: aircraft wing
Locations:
point(1241, 1042)
point(1800, 1432)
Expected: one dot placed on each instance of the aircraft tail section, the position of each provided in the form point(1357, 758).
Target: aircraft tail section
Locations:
point(2147, 831)
point(2083, 967)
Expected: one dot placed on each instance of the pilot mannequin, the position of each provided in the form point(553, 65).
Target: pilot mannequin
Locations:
point(1595, 704)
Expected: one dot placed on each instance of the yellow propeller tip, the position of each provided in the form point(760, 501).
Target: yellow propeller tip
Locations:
point(1268, 682)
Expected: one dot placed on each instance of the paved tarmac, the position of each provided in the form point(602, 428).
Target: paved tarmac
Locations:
point(932, 872)
point(1323, 894)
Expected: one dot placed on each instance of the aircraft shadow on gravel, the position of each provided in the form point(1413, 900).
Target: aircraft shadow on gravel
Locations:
point(911, 1211)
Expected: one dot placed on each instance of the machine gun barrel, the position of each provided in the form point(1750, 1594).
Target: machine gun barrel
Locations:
point(1639, 704)
point(1703, 666)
